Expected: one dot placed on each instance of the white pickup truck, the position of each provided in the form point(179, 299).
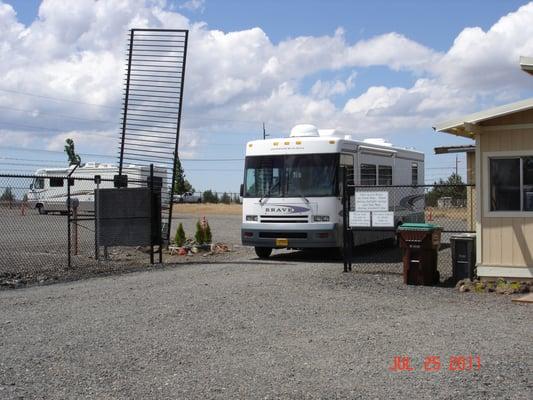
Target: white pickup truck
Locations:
point(187, 197)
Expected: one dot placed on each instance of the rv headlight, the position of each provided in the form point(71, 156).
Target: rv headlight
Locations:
point(253, 218)
point(321, 218)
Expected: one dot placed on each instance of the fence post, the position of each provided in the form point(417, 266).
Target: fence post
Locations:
point(151, 184)
point(68, 224)
point(75, 219)
point(346, 254)
point(97, 180)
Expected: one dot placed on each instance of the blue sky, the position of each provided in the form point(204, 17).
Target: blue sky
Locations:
point(396, 68)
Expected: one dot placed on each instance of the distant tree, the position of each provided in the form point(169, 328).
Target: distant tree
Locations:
point(237, 199)
point(181, 185)
point(225, 198)
point(73, 158)
point(8, 195)
point(210, 197)
point(457, 193)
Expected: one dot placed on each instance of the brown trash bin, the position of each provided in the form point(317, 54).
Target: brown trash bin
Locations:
point(420, 244)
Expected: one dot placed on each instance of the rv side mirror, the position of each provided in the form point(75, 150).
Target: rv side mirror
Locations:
point(31, 186)
point(242, 190)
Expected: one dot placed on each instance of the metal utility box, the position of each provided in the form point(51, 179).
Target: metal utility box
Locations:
point(463, 256)
point(128, 217)
point(420, 244)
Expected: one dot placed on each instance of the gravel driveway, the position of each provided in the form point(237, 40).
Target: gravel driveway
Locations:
point(251, 329)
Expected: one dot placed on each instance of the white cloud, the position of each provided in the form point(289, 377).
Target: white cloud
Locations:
point(487, 61)
point(77, 53)
point(194, 5)
point(326, 89)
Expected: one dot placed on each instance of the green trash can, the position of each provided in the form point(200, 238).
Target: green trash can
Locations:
point(420, 244)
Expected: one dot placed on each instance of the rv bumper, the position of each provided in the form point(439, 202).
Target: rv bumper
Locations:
point(297, 237)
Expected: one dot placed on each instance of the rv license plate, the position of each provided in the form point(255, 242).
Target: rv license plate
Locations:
point(282, 242)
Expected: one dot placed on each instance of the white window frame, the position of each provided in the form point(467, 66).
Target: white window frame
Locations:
point(487, 156)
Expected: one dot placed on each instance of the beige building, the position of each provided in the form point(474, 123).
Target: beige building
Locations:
point(503, 172)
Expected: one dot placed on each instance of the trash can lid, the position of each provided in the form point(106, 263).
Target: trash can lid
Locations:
point(460, 236)
point(411, 226)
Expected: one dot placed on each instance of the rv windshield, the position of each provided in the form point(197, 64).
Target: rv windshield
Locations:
point(263, 176)
point(309, 175)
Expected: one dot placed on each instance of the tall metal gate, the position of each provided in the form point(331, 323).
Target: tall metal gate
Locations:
point(152, 107)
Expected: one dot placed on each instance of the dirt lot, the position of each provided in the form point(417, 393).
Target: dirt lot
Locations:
point(233, 326)
point(208, 209)
point(251, 329)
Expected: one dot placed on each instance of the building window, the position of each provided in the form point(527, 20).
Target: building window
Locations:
point(56, 182)
point(414, 174)
point(385, 175)
point(511, 184)
point(368, 174)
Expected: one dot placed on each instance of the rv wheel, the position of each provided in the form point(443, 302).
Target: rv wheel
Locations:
point(40, 209)
point(263, 252)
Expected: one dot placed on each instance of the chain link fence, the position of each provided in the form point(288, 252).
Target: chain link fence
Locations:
point(451, 207)
point(46, 237)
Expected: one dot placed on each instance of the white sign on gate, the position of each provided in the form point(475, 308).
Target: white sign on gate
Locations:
point(359, 219)
point(372, 201)
point(382, 219)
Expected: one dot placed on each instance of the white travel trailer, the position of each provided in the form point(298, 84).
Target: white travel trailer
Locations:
point(292, 187)
point(48, 191)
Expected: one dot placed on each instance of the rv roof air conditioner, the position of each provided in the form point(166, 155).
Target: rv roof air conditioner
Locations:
point(304, 130)
point(378, 141)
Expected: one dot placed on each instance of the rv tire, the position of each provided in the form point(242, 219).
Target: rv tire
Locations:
point(263, 252)
point(41, 209)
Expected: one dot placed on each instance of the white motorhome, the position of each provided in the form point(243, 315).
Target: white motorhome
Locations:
point(292, 187)
point(48, 191)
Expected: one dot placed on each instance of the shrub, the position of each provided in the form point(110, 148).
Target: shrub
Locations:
point(199, 235)
point(179, 239)
point(207, 233)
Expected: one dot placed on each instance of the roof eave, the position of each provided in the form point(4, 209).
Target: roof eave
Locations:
point(526, 63)
point(457, 130)
point(467, 126)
